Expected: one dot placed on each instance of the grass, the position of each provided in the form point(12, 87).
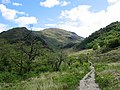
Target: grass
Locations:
point(64, 80)
point(107, 66)
point(81, 52)
point(108, 76)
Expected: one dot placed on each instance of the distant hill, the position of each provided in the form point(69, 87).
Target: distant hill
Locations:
point(14, 33)
point(53, 37)
point(17, 34)
point(108, 36)
point(62, 37)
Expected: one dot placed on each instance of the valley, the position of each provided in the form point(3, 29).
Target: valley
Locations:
point(55, 59)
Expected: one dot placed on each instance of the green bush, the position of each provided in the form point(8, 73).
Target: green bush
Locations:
point(8, 77)
point(104, 81)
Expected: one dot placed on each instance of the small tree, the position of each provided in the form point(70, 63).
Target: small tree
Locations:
point(83, 58)
point(56, 60)
point(96, 46)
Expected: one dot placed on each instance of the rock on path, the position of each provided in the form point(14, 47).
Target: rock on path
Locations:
point(88, 82)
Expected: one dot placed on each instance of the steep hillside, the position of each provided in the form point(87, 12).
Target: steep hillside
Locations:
point(105, 37)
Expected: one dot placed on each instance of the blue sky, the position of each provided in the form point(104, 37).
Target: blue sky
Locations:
point(80, 16)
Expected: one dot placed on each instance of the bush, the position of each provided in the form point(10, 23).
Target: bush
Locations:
point(104, 81)
point(105, 49)
point(114, 43)
point(8, 77)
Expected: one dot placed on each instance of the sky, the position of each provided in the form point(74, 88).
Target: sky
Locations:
point(80, 16)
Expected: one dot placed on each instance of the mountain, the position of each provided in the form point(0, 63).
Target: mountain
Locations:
point(62, 37)
point(14, 33)
point(53, 37)
point(108, 36)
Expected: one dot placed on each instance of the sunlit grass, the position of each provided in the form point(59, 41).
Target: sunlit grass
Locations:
point(81, 52)
point(44, 82)
point(108, 76)
point(68, 80)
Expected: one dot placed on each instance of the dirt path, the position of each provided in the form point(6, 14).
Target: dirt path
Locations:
point(88, 82)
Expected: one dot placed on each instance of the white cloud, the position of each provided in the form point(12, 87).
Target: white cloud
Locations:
point(3, 27)
point(86, 21)
point(22, 13)
point(6, 1)
point(9, 14)
point(12, 15)
point(24, 21)
point(52, 3)
point(112, 1)
point(16, 4)
point(76, 13)
point(38, 28)
point(64, 3)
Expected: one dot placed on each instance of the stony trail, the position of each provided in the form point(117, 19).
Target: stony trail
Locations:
point(88, 82)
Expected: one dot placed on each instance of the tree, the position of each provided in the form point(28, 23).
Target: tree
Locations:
point(96, 46)
point(56, 60)
point(30, 47)
point(83, 58)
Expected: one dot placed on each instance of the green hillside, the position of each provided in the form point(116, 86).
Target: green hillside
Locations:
point(14, 34)
point(53, 37)
point(20, 34)
point(62, 35)
point(108, 36)
point(59, 38)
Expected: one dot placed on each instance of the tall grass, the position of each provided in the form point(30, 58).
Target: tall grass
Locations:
point(65, 80)
point(107, 66)
point(44, 82)
point(109, 77)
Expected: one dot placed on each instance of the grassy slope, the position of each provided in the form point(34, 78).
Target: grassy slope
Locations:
point(61, 38)
point(62, 35)
point(107, 66)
